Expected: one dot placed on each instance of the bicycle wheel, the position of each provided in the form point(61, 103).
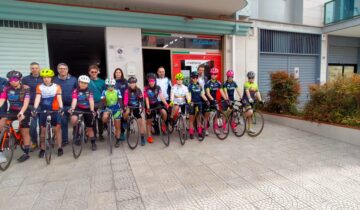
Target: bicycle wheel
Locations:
point(48, 144)
point(221, 129)
point(78, 140)
point(110, 135)
point(256, 124)
point(181, 127)
point(200, 122)
point(7, 147)
point(165, 135)
point(237, 123)
point(171, 126)
point(133, 133)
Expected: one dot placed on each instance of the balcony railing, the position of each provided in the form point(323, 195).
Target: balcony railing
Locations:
point(339, 10)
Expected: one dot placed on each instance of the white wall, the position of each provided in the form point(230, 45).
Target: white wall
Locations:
point(129, 41)
point(324, 58)
point(313, 12)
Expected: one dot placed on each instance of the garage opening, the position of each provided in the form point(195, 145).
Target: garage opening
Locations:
point(154, 58)
point(78, 47)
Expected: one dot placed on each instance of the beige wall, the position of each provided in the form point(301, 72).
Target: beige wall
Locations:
point(313, 12)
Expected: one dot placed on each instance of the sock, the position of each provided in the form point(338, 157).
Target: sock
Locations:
point(27, 149)
point(191, 131)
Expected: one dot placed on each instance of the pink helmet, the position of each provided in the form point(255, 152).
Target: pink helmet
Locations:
point(214, 71)
point(230, 73)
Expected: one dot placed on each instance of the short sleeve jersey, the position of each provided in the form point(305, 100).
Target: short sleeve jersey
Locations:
point(111, 98)
point(252, 87)
point(179, 92)
point(16, 97)
point(213, 86)
point(195, 92)
point(230, 88)
point(49, 96)
point(83, 98)
point(152, 93)
point(133, 97)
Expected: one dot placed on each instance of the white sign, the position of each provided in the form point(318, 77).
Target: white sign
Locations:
point(194, 64)
point(296, 72)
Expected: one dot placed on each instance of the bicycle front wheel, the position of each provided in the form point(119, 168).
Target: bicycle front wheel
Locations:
point(237, 123)
point(133, 133)
point(78, 140)
point(220, 127)
point(7, 149)
point(255, 124)
point(182, 130)
point(164, 133)
point(110, 135)
point(48, 144)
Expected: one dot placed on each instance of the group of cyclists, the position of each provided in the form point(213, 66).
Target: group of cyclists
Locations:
point(115, 98)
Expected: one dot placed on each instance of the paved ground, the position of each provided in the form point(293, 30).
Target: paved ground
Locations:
point(281, 169)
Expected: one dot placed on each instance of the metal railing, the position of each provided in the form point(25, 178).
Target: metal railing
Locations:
point(340, 10)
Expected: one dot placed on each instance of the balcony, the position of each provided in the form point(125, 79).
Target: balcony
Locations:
point(340, 10)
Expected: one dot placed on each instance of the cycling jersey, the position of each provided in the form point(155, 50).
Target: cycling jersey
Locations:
point(152, 93)
point(83, 97)
point(111, 98)
point(133, 97)
point(213, 86)
point(230, 88)
point(16, 96)
point(252, 87)
point(49, 96)
point(195, 91)
point(165, 86)
point(179, 92)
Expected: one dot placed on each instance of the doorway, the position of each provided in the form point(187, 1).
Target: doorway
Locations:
point(154, 58)
point(78, 47)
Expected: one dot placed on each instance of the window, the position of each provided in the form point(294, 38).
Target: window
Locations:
point(339, 70)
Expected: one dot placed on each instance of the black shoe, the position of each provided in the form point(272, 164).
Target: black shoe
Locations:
point(65, 143)
point(117, 144)
point(60, 152)
point(23, 158)
point(41, 153)
point(93, 147)
point(101, 138)
point(191, 136)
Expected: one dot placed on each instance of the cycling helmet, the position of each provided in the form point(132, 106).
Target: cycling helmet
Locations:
point(150, 76)
point(251, 74)
point(47, 73)
point(230, 73)
point(194, 74)
point(110, 81)
point(84, 78)
point(214, 71)
point(14, 74)
point(132, 80)
point(179, 76)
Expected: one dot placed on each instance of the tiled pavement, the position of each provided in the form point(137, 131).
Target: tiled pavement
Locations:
point(283, 168)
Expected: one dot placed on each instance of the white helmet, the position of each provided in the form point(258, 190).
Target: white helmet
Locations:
point(110, 81)
point(84, 78)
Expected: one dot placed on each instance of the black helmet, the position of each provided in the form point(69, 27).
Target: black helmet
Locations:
point(194, 74)
point(251, 74)
point(132, 80)
point(150, 76)
point(13, 73)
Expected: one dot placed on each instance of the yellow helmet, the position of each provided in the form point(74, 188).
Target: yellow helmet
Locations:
point(47, 73)
point(179, 76)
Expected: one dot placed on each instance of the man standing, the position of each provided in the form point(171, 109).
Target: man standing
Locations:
point(32, 81)
point(202, 77)
point(164, 83)
point(68, 84)
point(97, 86)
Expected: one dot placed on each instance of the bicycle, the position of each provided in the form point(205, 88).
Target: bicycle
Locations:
point(110, 129)
point(49, 135)
point(237, 122)
point(257, 121)
point(165, 137)
point(219, 121)
point(133, 128)
point(10, 139)
point(180, 125)
point(79, 134)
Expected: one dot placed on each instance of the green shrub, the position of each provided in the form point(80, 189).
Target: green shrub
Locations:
point(285, 90)
point(335, 102)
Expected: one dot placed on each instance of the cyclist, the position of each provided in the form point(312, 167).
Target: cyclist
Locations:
point(48, 97)
point(197, 95)
point(18, 96)
point(251, 92)
point(179, 96)
point(83, 100)
point(211, 88)
point(133, 97)
point(112, 99)
point(151, 94)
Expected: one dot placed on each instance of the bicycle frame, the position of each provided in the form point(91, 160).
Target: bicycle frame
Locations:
point(9, 130)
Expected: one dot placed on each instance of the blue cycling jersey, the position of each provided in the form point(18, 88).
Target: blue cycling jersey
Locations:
point(230, 88)
point(195, 91)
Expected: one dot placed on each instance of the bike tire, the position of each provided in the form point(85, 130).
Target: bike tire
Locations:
point(239, 122)
point(181, 127)
point(165, 137)
point(79, 135)
point(133, 133)
point(259, 121)
point(48, 144)
point(110, 136)
point(218, 120)
point(8, 146)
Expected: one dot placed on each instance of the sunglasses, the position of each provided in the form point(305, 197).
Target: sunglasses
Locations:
point(194, 77)
point(93, 72)
point(110, 86)
point(14, 79)
point(151, 80)
point(251, 77)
